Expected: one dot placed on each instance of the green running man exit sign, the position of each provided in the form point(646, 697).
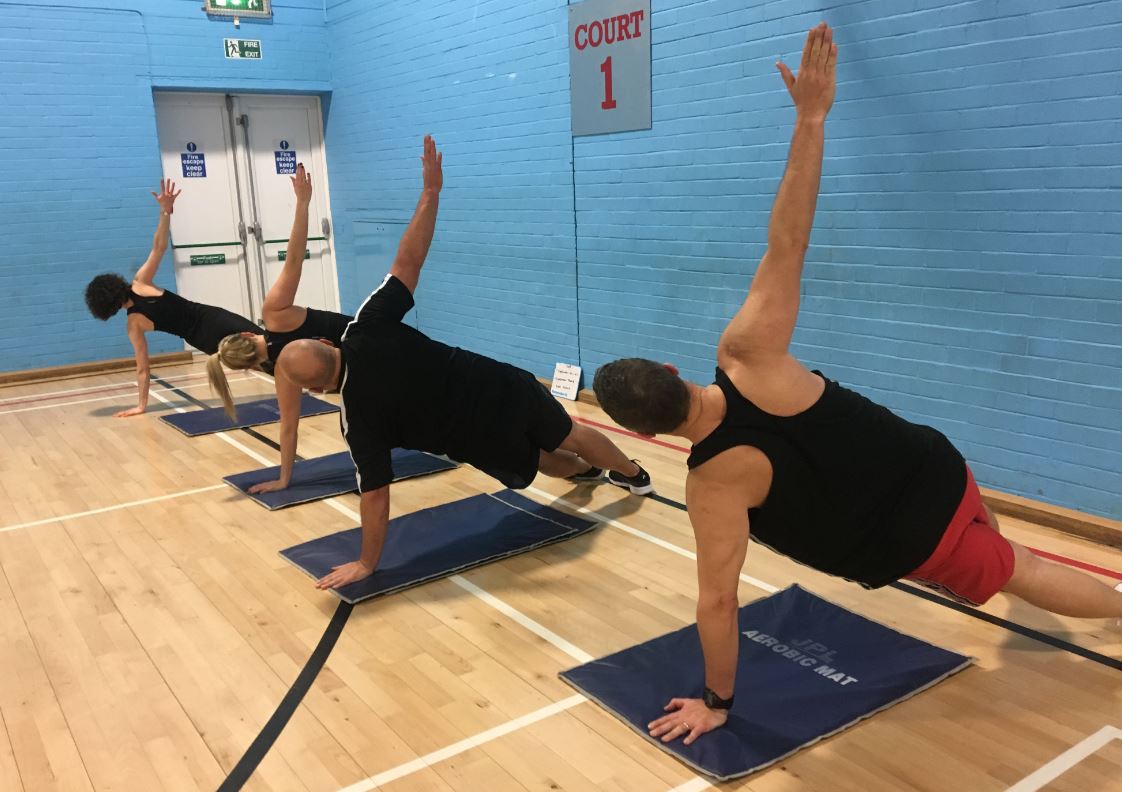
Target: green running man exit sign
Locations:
point(239, 8)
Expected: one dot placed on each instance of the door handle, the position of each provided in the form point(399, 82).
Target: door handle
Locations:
point(325, 226)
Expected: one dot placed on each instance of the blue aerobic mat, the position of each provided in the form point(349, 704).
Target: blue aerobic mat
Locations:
point(328, 476)
point(807, 669)
point(437, 542)
point(254, 413)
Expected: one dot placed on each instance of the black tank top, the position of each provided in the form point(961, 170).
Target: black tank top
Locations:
point(856, 490)
point(201, 326)
point(169, 312)
point(317, 324)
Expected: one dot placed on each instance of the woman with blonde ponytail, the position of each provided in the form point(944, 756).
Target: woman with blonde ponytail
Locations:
point(284, 323)
point(238, 352)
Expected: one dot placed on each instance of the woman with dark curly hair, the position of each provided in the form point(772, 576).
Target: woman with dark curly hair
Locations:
point(151, 308)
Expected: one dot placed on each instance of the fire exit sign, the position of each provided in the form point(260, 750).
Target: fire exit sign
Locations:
point(239, 8)
point(243, 48)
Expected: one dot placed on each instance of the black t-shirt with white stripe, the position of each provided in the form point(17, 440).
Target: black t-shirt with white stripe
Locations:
point(401, 389)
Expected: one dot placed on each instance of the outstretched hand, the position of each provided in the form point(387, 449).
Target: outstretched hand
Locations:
point(431, 166)
point(167, 195)
point(302, 185)
point(813, 88)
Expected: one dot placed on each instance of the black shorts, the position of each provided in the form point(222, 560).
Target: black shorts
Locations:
point(534, 422)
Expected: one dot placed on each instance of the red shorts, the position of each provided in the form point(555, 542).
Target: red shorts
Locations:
point(973, 561)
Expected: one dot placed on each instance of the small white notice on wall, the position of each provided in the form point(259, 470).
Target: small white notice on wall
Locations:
point(566, 381)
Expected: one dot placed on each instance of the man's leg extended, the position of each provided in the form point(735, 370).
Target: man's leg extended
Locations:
point(597, 451)
point(1061, 589)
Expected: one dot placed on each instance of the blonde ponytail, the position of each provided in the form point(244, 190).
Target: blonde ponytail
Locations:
point(237, 352)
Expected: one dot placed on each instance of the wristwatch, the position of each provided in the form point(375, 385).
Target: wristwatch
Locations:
point(715, 702)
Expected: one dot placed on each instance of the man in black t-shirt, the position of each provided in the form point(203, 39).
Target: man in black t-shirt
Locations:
point(401, 389)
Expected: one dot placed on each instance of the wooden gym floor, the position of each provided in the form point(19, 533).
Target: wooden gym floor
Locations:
point(148, 630)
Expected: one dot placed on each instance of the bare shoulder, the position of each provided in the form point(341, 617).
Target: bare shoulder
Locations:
point(739, 477)
point(138, 324)
point(145, 289)
point(777, 384)
point(284, 320)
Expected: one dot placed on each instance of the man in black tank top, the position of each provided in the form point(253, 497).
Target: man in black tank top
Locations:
point(817, 471)
point(151, 308)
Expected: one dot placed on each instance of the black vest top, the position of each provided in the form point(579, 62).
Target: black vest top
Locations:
point(201, 326)
point(317, 324)
point(169, 312)
point(856, 490)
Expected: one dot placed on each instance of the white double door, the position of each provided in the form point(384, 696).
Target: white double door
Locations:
point(233, 156)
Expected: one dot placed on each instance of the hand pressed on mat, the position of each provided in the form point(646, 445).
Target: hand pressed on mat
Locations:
point(268, 486)
point(345, 573)
point(689, 718)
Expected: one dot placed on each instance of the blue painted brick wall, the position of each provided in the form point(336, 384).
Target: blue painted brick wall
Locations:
point(964, 269)
point(966, 266)
point(81, 153)
point(490, 82)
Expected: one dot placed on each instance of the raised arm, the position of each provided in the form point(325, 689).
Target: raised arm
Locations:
point(283, 291)
point(166, 200)
point(415, 242)
point(765, 323)
point(140, 348)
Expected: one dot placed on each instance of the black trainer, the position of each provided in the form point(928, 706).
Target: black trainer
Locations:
point(639, 484)
point(592, 475)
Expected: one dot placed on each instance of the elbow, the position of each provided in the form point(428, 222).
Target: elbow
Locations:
point(787, 244)
point(718, 604)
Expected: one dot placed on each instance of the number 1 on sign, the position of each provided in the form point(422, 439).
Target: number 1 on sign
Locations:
point(606, 67)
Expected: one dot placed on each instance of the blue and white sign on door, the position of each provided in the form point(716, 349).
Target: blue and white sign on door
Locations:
point(286, 159)
point(193, 162)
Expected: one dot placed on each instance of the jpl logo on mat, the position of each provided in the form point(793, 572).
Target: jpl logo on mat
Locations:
point(806, 652)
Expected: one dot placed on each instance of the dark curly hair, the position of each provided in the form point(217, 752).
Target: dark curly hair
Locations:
point(642, 395)
point(105, 295)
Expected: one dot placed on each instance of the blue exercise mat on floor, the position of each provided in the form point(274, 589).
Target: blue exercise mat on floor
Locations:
point(328, 476)
point(254, 413)
point(807, 669)
point(437, 542)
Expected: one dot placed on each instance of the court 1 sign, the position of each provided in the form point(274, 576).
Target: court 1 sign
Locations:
point(610, 66)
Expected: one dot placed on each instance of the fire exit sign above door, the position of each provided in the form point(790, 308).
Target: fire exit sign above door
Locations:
point(239, 8)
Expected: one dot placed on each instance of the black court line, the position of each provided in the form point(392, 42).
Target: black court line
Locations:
point(287, 707)
point(271, 730)
point(249, 430)
point(1020, 629)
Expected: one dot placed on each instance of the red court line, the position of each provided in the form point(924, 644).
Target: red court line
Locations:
point(81, 393)
point(636, 435)
point(1042, 553)
point(1078, 564)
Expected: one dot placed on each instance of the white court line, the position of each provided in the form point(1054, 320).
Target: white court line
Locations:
point(536, 628)
point(222, 435)
point(104, 509)
point(111, 397)
point(86, 388)
point(647, 537)
point(693, 785)
point(1067, 760)
point(429, 759)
